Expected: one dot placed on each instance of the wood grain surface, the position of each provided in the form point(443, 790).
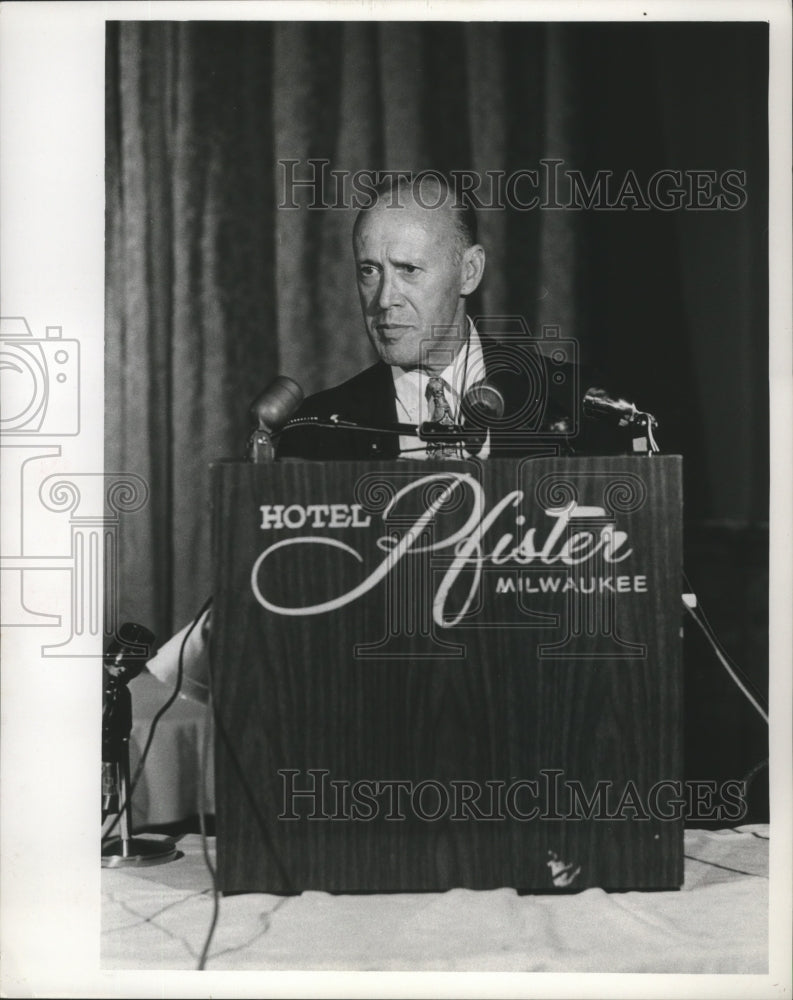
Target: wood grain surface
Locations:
point(526, 684)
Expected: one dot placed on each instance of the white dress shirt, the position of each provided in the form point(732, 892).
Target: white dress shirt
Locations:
point(410, 388)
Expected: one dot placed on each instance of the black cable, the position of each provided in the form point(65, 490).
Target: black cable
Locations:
point(127, 805)
point(752, 773)
point(221, 732)
point(727, 660)
point(723, 659)
point(740, 679)
point(204, 841)
point(301, 423)
point(710, 633)
point(726, 868)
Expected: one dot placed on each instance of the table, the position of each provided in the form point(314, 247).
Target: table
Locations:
point(181, 752)
point(157, 918)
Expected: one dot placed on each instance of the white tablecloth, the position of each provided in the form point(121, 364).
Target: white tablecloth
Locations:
point(158, 918)
point(169, 788)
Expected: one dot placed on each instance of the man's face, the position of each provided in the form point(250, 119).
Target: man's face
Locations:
point(410, 282)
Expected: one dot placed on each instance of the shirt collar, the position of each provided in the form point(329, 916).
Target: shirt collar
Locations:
point(458, 376)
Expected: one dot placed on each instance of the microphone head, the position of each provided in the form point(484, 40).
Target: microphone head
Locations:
point(128, 653)
point(483, 403)
point(598, 404)
point(275, 405)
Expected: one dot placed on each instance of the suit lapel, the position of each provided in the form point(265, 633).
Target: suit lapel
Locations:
point(374, 404)
point(377, 398)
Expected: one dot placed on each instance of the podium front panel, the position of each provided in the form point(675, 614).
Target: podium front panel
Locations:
point(432, 675)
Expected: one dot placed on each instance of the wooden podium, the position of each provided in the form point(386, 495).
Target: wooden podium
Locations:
point(432, 675)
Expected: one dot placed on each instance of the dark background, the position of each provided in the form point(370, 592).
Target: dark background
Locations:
point(211, 290)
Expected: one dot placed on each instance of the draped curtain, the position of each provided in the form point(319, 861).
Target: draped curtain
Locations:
point(213, 289)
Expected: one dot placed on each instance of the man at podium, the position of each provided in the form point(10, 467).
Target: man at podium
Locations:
point(456, 625)
point(417, 262)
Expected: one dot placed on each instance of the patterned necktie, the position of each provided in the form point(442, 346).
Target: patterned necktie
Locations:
point(441, 413)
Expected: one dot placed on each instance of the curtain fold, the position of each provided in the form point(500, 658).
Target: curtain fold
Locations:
point(215, 285)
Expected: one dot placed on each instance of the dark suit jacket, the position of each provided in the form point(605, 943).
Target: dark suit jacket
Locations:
point(541, 397)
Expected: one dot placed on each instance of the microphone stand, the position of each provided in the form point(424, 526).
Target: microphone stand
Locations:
point(429, 430)
point(124, 850)
point(269, 412)
point(644, 442)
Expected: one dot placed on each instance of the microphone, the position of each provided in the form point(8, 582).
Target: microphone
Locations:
point(124, 658)
point(483, 403)
point(127, 653)
point(503, 399)
point(271, 409)
point(598, 404)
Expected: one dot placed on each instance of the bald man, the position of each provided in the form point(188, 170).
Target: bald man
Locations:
point(417, 261)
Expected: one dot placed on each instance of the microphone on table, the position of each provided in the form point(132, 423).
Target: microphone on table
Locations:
point(124, 658)
point(126, 655)
point(271, 409)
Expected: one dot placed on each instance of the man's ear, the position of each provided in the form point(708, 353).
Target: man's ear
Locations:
point(473, 266)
